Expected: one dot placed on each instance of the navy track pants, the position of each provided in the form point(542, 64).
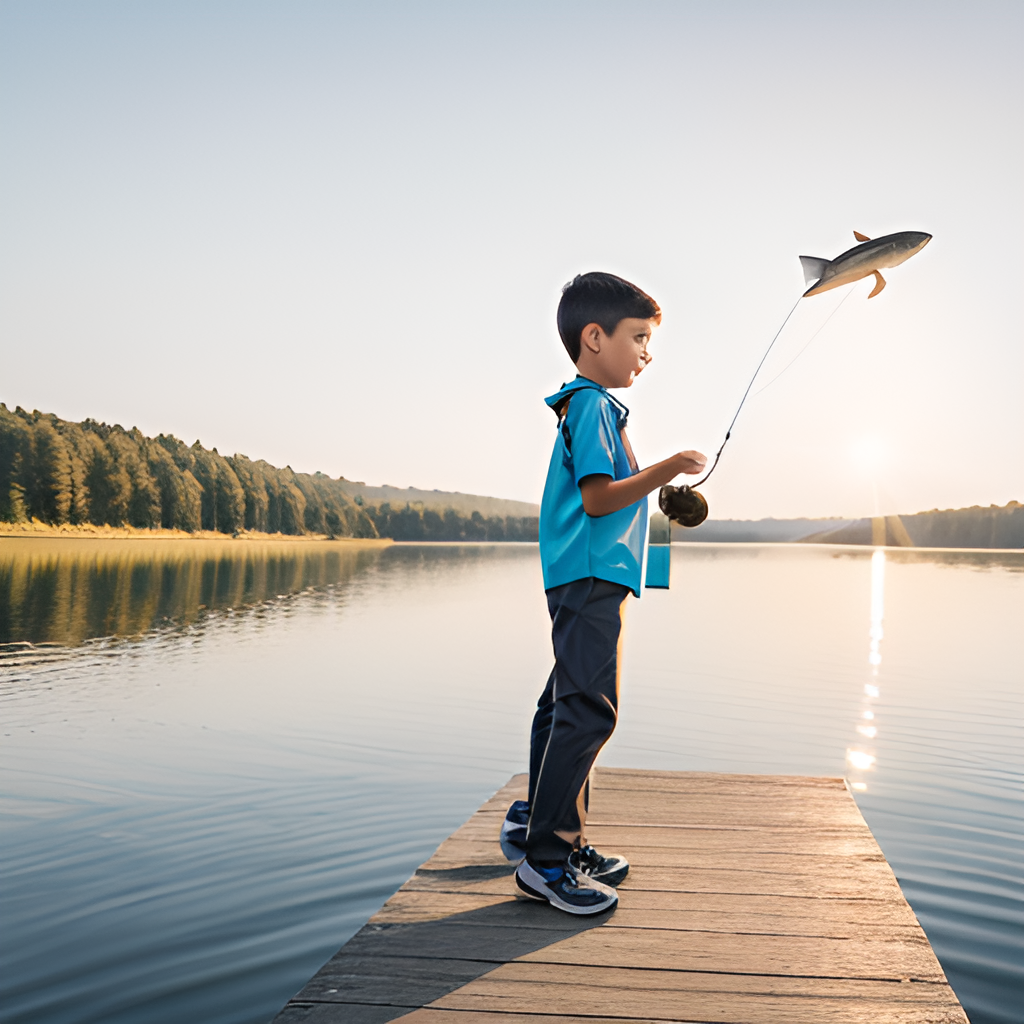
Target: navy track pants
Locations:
point(576, 713)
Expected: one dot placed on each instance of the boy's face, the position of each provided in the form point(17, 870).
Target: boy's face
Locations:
point(614, 360)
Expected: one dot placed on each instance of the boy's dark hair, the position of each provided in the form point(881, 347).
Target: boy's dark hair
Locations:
point(603, 299)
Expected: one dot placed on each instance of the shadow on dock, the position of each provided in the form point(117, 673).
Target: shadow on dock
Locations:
point(392, 968)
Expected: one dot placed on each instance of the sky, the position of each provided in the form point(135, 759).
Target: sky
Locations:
point(333, 235)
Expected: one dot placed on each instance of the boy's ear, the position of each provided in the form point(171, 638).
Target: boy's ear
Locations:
point(591, 337)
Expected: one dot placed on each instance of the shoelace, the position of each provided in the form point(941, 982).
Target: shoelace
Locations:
point(571, 886)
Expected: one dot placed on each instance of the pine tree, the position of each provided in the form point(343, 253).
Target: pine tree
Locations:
point(291, 503)
point(454, 525)
point(77, 449)
point(433, 525)
point(314, 518)
point(180, 493)
point(230, 497)
point(254, 486)
point(475, 528)
point(48, 477)
point(110, 486)
point(15, 453)
point(138, 496)
point(223, 500)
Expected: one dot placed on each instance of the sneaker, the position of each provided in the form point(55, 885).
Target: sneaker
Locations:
point(513, 831)
point(563, 888)
point(609, 870)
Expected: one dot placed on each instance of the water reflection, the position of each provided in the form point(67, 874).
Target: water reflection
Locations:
point(984, 559)
point(862, 757)
point(65, 591)
point(315, 750)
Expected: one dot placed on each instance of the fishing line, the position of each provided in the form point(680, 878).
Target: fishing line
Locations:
point(728, 433)
point(805, 348)
point(686, 505)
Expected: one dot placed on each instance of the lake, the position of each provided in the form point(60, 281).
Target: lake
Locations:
point(220, 758)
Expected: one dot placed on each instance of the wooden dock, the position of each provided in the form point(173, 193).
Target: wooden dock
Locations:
point(751, 898)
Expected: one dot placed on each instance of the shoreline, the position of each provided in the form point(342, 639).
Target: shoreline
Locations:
point(43, 531)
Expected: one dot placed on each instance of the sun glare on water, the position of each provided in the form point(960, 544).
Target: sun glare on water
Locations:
point(862, 758)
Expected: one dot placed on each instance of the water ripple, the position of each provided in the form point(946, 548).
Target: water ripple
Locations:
point(197, 815)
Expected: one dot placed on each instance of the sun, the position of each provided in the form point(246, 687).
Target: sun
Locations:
point(869, 452)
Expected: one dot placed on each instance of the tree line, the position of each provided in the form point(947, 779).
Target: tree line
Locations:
point(60, 472)
point(410, 523)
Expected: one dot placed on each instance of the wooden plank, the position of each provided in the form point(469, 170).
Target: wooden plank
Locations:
point(797, 956)
point(659, 995)
point(719, 782)
point(835, 1012)
point(704, 809)
point(751, 898)
point(706, 838)
point(682, 912)
point(319, 1013)
point(893, 957)
point(868, 866)
point(490, 880)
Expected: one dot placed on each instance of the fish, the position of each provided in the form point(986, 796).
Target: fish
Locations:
point(872, 255)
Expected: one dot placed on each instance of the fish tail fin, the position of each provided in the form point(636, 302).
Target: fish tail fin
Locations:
point(814, 267)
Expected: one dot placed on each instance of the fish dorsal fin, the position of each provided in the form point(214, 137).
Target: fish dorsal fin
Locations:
point(814, 267)
point(860, 237)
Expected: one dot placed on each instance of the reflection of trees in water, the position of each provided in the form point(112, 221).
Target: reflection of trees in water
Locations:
point(67, 591)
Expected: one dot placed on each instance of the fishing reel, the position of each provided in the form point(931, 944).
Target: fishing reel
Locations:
point(683, 505)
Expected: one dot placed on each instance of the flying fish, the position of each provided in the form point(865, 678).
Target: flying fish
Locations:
point(872, 255)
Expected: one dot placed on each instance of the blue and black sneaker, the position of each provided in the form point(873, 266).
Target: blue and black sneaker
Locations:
point(610, 870)
point(564, 889)
point(513, 831)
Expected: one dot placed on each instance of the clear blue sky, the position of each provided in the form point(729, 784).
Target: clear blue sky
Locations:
point(333, 235)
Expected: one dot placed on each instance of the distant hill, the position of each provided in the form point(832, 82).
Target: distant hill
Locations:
point(998, 526)
point(976, 527)
point(762, 531)
point(465, 504)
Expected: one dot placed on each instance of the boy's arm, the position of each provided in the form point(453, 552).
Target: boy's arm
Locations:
point(602, 495)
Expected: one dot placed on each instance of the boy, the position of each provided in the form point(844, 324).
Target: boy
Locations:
point(593, 521)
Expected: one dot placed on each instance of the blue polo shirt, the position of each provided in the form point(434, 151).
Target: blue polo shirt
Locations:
point(574, 545)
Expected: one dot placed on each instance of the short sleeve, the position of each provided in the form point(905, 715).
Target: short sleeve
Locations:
point(593, 434)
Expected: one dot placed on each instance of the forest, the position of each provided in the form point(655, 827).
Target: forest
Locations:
point(57, 472)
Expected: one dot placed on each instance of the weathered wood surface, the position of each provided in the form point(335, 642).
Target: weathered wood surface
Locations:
point(752, 898)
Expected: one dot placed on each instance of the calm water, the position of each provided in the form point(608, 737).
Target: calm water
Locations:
point(196, 816)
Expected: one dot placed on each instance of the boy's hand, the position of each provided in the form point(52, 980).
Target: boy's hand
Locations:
point(602, 495)
point(691, 463)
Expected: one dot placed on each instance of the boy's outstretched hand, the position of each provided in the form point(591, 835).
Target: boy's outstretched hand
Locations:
point(691, 463)
point(602, 495)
